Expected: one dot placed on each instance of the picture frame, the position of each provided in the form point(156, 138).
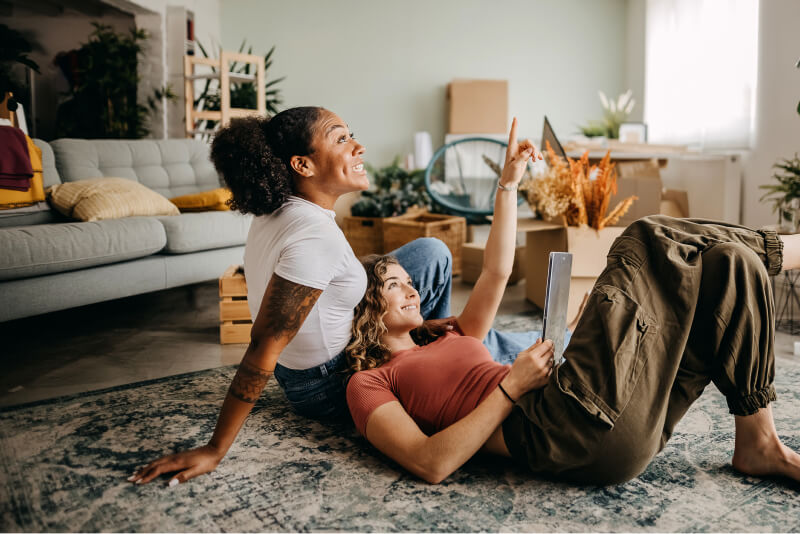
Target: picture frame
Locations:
point(633, 132)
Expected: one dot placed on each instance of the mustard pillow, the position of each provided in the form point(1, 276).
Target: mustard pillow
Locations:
point(214, 200)
point(97, 199)
point(17, 199)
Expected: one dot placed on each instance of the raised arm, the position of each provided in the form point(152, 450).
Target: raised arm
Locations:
point(434, 458)
point(498, 257)
point(284, 308)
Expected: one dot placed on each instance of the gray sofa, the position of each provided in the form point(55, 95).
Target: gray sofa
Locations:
point(49, 262)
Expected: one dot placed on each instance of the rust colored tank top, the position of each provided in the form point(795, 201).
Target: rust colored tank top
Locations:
point(437, 384)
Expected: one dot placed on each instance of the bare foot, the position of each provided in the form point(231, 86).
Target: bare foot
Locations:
point(759, 451)
point(776, 460)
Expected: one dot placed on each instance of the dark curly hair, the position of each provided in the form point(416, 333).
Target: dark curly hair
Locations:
point(252, 154)
point(366, 349)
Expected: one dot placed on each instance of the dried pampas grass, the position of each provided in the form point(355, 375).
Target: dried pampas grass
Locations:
point(577, 192)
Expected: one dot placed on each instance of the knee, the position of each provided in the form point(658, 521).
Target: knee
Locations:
point(739, 257)
point(433, 247)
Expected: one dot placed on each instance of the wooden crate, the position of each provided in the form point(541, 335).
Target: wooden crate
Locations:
point(365, 234)
point(452, 230)
point(234, 314)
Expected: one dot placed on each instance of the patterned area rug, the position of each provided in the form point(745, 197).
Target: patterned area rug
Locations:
point(63, 465)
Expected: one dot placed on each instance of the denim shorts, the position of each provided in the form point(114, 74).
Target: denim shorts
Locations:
point(318, 392)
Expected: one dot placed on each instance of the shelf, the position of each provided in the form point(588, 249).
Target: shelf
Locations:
point(225, 77)
point(234, 77)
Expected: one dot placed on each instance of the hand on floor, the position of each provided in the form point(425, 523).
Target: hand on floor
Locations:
point(190, 464)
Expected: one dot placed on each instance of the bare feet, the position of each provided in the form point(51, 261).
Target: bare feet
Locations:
point(759, 451)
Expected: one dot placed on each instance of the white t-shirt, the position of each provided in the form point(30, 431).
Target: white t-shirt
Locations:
point(301, 242)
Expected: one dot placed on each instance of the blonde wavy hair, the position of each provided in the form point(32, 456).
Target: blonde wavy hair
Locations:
point(367, 349)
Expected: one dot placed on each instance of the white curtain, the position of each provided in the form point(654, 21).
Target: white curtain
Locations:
point(700, 72)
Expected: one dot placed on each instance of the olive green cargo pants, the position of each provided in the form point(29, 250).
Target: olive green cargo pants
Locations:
point(681, 303)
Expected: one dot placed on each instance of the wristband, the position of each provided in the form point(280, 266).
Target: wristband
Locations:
point(504, 188)
point(506, 393)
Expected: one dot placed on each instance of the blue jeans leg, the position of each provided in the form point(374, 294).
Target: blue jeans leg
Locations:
point(428, 262)
point(318, 392)
point(505, 346)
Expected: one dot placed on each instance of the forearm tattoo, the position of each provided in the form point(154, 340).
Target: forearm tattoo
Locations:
point(284, 308)
point(248, 382)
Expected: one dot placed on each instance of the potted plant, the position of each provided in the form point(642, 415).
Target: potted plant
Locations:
point(396, 190)
point(785, 195)
point(103, 78)
point(615, 112)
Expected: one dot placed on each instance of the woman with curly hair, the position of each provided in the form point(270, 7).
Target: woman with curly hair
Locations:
point(680, 304)
point(303, 279)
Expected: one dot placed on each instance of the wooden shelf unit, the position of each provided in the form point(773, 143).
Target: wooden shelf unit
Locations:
point(225, 78)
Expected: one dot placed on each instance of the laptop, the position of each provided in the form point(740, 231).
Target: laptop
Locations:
point(556, 302)
point(549, 135)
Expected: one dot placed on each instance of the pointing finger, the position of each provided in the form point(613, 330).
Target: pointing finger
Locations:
point(512, 137)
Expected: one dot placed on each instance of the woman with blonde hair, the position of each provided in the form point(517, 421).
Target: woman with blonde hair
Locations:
point(680, 304)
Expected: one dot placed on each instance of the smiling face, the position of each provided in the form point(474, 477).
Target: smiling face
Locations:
point(336, 161)
point(401, 301)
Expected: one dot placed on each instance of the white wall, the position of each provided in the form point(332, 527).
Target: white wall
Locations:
point(777, 127)
point(635, 55)
point(383, 66)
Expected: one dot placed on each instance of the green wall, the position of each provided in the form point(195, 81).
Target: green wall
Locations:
point(383, 65)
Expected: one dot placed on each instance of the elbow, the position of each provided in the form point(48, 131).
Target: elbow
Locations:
point(434, 472)
point(434, 477)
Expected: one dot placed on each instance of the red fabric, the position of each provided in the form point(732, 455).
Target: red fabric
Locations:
point(15, 162)
point(16, 185)
point(437, 384)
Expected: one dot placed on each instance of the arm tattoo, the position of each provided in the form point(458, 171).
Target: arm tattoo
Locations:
point(284, 308)
point(248, 382)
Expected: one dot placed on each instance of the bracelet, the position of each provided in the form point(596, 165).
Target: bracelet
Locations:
point(506, 393)
point(504, 188)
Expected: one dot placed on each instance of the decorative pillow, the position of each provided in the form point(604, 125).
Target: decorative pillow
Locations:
point(214, 200)
point(97, 199)
point(17, 199)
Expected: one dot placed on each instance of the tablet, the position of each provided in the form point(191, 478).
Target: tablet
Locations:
point(556, 301)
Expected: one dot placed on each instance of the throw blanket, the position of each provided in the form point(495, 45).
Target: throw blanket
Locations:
point(15, 162)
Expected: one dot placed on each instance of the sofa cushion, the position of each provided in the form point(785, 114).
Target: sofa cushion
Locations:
point(39, 213)
point(108, 198)
point(214, 200)
point(49, 171)
point(170, 167)
point(190, 232)
point(52, 248)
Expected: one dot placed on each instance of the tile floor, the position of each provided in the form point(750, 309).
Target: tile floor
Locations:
point(145, 337)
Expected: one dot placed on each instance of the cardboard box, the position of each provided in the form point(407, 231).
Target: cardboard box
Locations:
point(589, 249)
point(643, 179)
point(477, 106)
point(674, 203)
point(472, 263)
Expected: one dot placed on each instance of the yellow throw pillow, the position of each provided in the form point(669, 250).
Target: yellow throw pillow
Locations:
point(97, 199)
point(214, 200)
point(17, 199)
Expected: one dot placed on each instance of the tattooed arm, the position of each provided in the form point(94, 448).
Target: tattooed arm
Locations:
point(284, 308)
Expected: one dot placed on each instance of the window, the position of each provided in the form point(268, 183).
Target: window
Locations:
point(700, 72)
